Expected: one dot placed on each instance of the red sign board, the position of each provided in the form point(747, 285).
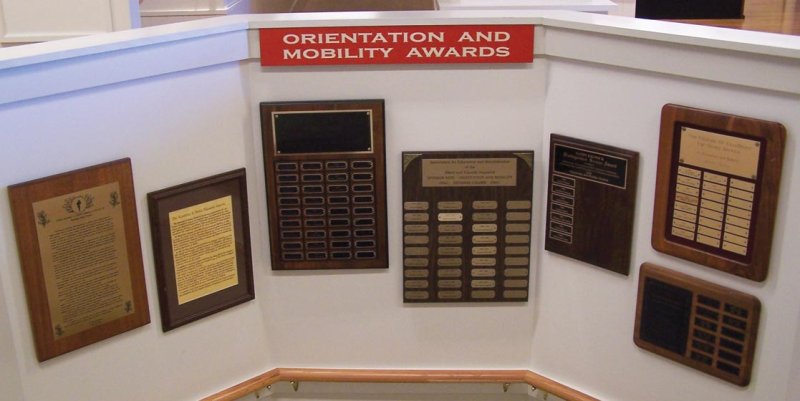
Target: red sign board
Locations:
point(413, 44)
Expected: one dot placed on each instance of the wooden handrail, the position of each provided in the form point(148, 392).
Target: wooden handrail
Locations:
point(398, 376)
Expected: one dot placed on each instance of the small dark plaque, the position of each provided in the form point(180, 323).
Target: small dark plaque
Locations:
point(585, 177)
point(201, 245)
point(699, 324)
point(717, 189)
point(467, 226)
point(326, 185)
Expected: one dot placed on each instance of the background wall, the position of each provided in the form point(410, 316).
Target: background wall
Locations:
point(182, 102)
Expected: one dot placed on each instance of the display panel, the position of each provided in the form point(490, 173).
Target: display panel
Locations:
point(467, 226)
point(201, 245)
point(699, 324)
point(584, 177)
point(326, 189)
point(78, 239)
point(717, 189)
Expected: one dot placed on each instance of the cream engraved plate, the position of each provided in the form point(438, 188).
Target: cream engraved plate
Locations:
point(467, 224)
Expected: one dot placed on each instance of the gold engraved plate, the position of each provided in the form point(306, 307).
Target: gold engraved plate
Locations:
point(415, 206)
point(517, 228)
point(484, 261)
point(450, 228)
point(449, 217)
point(515, 272)
point(710, 223)
point(449, 205)
point(418, 273)
point(714, 196)
point(448, 273)
point(517, 239)
point(451, 239)
point(485, 216)
point(416, 251)
point(415, 262)
point(517, 250)
point(518, 204)
point(708, 240)
point(449, 262)
point(518, 216)
point(483, 294)
point(416, 295)
point(515, 294)
point(689, 171)
point(737, 221)
point(449, 283)
point(733, 211)
point(692, 182)
point(736, 230)
point(483, 172)
point(711, 214)
point(683, 224)
point(683, 215)
point(484, 205)
point(716, 206)
point(516, 283)
point(416, 217)
point(516, 261)
point(692, 200)
point(678, 232)
point(724, 153)
point(734, 248)
point(416, 229)
point(484, 228)
point(449, 250)
point(483, 283)
point(738, 193)
point(484, 272)
point(741, 204)
point(685, 189)
point(416, 284)
point(416, 239)
point(449, 294)
point(710, 186)
point(743, 185)
point(484, 250)
point(484, 239)
point(735, 239)
point(709, 232)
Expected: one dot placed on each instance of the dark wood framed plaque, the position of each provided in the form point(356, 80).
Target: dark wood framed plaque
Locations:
point(325, 169)
point(585, 178)
point(467, 226)
point(717, 189)
point(201, 245)
point(699, 324)
point(78, 240)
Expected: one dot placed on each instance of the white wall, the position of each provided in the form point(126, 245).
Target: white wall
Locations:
point(182, 102)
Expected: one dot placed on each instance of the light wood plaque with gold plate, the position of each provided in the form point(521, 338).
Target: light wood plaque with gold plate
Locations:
point(78, 239)
point(717, 189)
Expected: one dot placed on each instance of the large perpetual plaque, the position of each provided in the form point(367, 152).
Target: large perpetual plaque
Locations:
point(78, 240)
point(699, 324)
point(326, 188)
point(587, 177)
point(717, 189)
point(201, 246)
point(467, 226)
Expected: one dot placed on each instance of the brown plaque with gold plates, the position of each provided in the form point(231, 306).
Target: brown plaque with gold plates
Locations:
point(591, 198)
point(326, 188)
point(699, 324)
point(78, 240)
point(467, 226)
point(201, 245)
point(717, 189)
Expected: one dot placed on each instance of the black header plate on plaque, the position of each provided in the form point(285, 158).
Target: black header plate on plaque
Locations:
point(591, 202)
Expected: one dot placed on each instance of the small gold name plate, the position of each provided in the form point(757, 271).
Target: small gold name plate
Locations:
point(477, 207)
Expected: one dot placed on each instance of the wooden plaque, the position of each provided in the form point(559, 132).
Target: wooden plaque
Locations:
point(467, 226)
point(717, 189)
point(201, 245)
point(699, 324)
point(78, 240)
point(591, 199)
point(326, 188)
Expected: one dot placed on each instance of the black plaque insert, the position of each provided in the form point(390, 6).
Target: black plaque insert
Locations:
point(584, 178)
